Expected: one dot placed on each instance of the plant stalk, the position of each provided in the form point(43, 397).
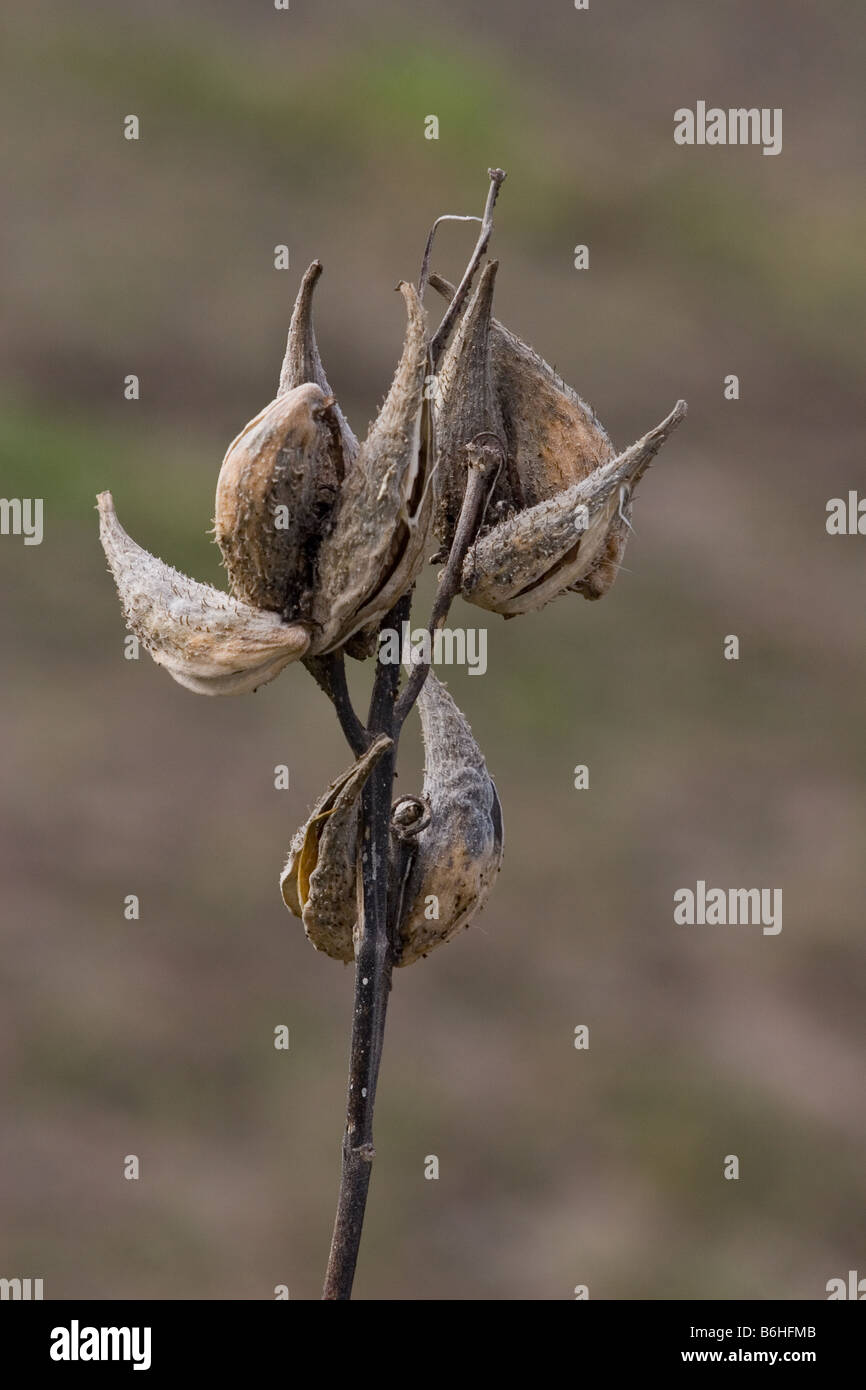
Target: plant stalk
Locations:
point(374, 961)
point(378, 913)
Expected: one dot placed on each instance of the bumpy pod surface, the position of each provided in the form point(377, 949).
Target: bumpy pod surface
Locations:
point(573, 540)
point(458, 853)
point(318, 882)
point(302, 362)
point(557, 459)
point(312, 525)
point(490, 381)
point(209, 642)
point(275, 496)
point(375, 549)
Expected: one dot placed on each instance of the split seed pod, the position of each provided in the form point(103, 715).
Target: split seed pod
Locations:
point(446, 848)
point(209, 642)
point(320, 535)
point(572, 541)
point(310, 524)
point(318, 881)
point(456, 827)
point(490, 382)
point(275, 497)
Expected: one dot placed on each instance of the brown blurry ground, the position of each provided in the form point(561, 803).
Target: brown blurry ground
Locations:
point(155, 1037)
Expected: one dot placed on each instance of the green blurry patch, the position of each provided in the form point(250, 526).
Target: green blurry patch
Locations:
point(163, 486)
point(345, 124)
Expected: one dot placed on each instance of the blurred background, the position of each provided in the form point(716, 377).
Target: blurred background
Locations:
point(155, 1037)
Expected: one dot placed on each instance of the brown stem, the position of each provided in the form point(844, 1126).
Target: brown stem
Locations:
point(374, 957)
point(485, 458)
point(425, 259)
point(329, 672)
point(440, 338)
point(374, 962)
point(380, 908)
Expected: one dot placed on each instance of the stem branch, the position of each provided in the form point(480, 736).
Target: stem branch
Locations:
point(484, 461)
point(329, 672)
point(440, 338)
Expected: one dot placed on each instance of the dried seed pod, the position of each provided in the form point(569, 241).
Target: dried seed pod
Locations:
point(318, 881)
point(302, 362)
point(276, 492)
point(293, 455)
point(553, 443)
point(375, 548)
point(209, 642)
point(491, 381)
point(311, 525)
point(572, 541)
point(457, 830)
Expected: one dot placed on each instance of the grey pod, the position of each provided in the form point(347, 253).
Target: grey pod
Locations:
point(375, 548)
point(275, 496)
point(318, 882)
point(302, 362)
point(454, 832)
point(209, 642)
point(556, 458)
point(490, 381)
point(310, 524)
point(573, 540)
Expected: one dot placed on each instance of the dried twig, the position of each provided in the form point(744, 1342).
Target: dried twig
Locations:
point(373, 965)
point(440, 338)
point(484, 462)
point(329, 672)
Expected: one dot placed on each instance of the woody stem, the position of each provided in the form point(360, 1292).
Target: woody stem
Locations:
point(379, 924)
point(374, 962)
point(329, 672)
point(374, 957)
